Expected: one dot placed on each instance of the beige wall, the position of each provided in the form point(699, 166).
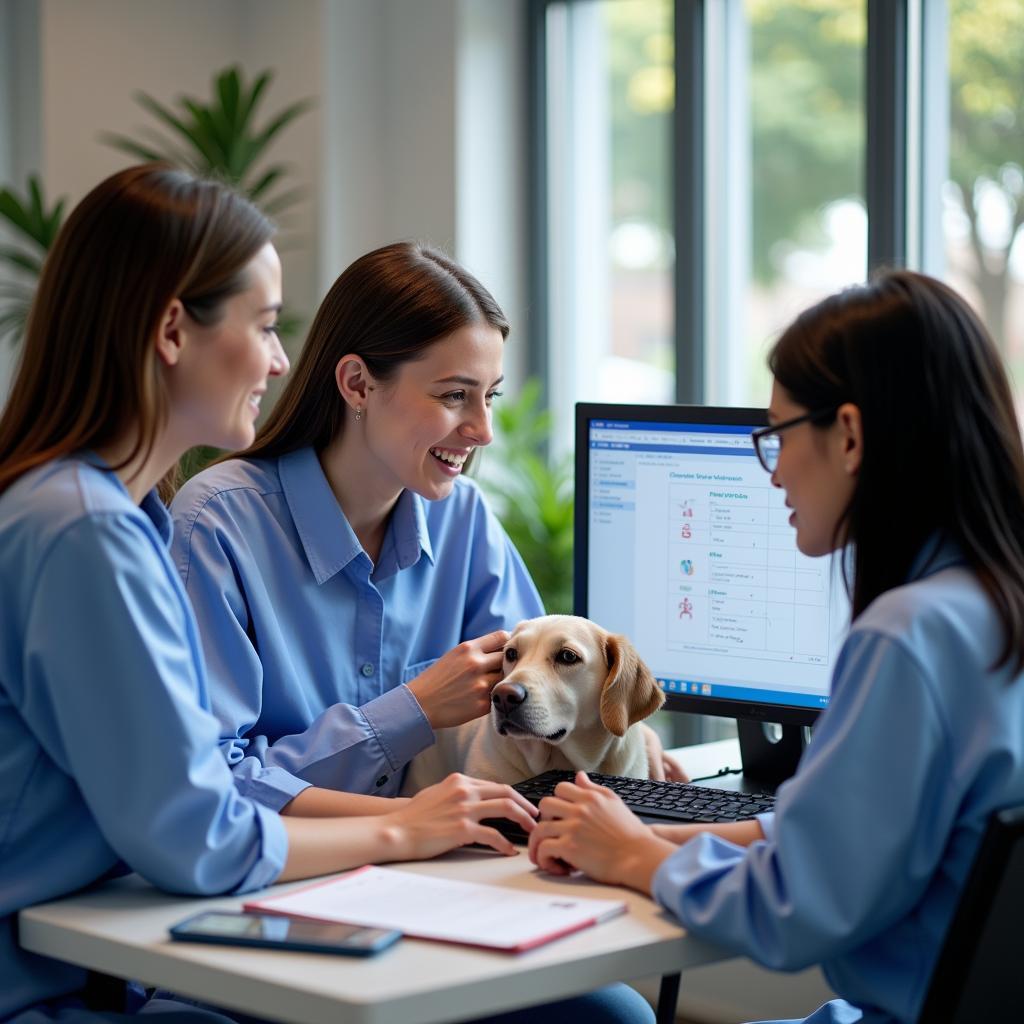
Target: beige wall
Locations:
point(393, 148)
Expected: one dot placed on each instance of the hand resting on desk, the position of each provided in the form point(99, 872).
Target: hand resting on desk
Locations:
point(588, 828)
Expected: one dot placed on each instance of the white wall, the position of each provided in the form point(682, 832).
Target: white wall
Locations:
point(414, 135)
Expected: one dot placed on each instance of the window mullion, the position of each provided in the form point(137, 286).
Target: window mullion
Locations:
point(885, 185)
point(688, 180)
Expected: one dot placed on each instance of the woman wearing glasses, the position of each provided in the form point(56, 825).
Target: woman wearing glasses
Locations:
point(894, 437)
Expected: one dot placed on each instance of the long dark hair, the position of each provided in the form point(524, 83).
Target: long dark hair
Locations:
point(88, 372)
point(942, 446)
point(388, 307)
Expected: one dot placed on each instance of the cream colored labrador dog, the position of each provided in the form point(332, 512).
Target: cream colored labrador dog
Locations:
point(569, 695)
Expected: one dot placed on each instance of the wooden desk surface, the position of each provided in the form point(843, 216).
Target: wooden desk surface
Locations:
point(121, 929)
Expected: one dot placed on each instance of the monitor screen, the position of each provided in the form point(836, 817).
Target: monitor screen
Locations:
point(684, 545)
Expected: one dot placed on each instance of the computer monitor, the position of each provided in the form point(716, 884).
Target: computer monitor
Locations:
point(684, 545)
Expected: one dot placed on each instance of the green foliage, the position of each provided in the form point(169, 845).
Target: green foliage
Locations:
point(34, 228)
point(219, 138)
point(533, 497)
point(807, 124)
point(807, 118)
point(642, 80)
point(196, 459)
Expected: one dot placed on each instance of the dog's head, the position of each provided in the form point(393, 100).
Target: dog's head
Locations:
point(563, 675)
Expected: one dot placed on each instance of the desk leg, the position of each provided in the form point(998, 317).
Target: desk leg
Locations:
point(668, 996)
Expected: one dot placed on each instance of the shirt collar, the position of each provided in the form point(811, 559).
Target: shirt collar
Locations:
point(151, 505)
point(937, 553)
point(327, 538)
point(409, 529)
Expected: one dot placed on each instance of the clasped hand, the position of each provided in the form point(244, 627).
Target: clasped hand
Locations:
point(588, 828)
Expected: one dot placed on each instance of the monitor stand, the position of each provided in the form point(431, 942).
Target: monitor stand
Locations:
point(770, 753)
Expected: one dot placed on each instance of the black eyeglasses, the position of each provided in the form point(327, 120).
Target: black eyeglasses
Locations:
point(767, 441)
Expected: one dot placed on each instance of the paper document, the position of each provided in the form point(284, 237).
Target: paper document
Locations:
point(439, 908)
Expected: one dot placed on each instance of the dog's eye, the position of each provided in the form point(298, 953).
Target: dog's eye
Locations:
point(566, 657)
point(511, 654)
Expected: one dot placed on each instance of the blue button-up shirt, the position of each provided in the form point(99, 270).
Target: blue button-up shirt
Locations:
point(308, 642)
point(870, 842)
point(107, 756)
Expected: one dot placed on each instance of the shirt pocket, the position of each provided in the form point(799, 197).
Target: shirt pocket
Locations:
point(410, 672)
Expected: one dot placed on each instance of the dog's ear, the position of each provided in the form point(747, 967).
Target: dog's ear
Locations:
point(630, 692)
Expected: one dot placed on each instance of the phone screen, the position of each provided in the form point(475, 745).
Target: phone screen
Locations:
point(284, 931)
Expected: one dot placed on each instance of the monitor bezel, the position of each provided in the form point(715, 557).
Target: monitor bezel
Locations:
point(784, 714)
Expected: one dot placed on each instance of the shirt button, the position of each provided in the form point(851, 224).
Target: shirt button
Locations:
point(381, 781)
point(367, 669)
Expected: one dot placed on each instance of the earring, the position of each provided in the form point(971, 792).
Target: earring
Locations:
point(359, 413)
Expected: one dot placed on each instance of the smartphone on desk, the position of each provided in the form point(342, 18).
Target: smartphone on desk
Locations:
point(270, 931)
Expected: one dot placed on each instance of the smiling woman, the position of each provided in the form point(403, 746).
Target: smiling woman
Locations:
point(335, 562)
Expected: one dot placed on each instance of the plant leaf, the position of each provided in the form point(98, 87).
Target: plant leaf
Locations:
point(281, 201)
point(22, 260)
point(266, 181)
point(12, 210)
point(284, 118)
point(132, 148)
point(248, 105)
point(228, 89)
point(190, 133)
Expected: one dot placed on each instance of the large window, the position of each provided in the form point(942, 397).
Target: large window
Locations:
point(714, 166)
point(609, 106)
point(804, 156)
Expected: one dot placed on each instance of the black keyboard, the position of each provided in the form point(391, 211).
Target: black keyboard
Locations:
point(665, 803)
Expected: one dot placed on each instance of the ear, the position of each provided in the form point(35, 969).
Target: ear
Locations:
point(630, 692)
point(354, 381)
point(852, 435)
point(170, 336)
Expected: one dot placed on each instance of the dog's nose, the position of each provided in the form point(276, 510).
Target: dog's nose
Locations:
point(506, 697)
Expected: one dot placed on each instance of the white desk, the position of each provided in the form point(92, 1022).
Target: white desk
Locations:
point(121, 929)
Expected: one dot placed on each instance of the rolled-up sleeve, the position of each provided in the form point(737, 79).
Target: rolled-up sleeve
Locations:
point(113, 689)
point(808, 891)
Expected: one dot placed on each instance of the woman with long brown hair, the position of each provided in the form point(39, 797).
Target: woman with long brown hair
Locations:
point(894, 436)
point(352, 588)
point(153, 330)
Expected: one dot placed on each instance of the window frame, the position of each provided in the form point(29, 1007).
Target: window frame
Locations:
point(905, 75)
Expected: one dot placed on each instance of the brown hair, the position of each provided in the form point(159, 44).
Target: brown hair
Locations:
point(388, 307)
point(942, 446)
point(88, 371)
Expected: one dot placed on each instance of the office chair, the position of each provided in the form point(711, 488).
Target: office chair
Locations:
point(978, 974)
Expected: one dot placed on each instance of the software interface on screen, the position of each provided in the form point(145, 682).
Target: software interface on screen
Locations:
point(691, 554)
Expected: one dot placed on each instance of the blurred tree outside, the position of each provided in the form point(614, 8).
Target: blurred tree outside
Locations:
point(986, 151)
point(807, 127)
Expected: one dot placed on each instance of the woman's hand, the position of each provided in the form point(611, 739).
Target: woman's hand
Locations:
point(442, 817)
point(588, 828)
point(659, 765)
point(457, 687)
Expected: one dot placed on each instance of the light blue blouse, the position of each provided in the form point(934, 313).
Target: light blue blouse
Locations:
point(871, 840)
point(107, 755)
point(308, 643)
